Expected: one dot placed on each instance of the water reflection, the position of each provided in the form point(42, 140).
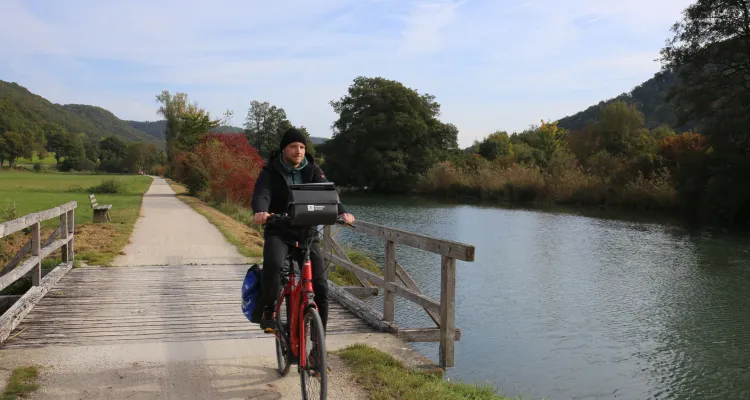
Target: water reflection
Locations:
point(564, 306)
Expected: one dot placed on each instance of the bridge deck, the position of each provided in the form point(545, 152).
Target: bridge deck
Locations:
point(115, 305)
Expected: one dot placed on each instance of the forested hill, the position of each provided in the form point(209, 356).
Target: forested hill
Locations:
point(649, 97)
point(29, 113)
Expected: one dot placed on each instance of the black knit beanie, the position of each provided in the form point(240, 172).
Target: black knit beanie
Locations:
point(292, 135)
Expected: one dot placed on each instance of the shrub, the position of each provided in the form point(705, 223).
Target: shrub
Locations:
point(37, 167)
point(222, 167)
point(109, 186)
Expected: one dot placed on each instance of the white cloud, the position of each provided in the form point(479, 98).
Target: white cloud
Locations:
point(491, 64)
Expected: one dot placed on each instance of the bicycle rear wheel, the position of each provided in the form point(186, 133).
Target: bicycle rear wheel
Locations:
point(314, 377)
point(283, 350)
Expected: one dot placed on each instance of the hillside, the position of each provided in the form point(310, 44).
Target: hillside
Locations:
point(156, 129)
point(649, 97)
point(26, 112)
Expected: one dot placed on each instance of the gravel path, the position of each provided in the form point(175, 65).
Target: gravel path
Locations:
point(169, 232)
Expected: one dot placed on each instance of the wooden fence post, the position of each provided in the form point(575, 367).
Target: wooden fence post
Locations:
point(327, 237)
point(389, 296)
point(447, 311)
point(64, 235)
point(36, 248)
point(71, 222)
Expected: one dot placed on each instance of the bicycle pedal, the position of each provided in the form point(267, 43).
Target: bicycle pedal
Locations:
point(270, 330)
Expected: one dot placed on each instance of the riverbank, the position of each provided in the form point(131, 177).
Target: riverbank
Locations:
point(385, 377)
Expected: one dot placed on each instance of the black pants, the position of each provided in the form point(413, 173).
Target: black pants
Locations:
point(275, 251)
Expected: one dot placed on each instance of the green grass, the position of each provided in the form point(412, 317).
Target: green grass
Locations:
point(384, 377)
point(21, 383)
point(98, 244)
point(47, 161)
point(344, 277)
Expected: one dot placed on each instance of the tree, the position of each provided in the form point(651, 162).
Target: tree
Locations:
point(710, 53)
point(14, 145)
point(111, 154)
point(495, 145)
point(139, 156)
point(57, 140)
point(386, 136)
point(264, 126)
point(186, 122)
point(619, 127)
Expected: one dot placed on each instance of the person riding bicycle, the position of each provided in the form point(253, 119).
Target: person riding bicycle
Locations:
point(291, 165)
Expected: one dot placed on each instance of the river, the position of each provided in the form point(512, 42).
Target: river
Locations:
point(567, 306)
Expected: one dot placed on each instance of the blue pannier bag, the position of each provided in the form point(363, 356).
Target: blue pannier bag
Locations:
point(251, 290)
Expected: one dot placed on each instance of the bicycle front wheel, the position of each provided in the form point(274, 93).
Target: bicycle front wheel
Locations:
point(314, 377)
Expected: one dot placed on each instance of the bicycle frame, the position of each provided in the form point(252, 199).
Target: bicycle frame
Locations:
point(298, 291)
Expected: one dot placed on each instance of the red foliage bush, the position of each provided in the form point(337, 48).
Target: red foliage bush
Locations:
point(225, 165)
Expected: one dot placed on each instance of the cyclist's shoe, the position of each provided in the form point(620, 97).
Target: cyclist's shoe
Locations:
point(316, 374)
point(267, 323)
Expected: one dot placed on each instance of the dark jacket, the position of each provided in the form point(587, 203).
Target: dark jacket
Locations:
point(272, 192)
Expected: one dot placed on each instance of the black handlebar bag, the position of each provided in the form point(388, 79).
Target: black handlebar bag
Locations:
point(313, 204)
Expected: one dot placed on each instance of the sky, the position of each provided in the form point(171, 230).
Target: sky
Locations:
point(492, 64)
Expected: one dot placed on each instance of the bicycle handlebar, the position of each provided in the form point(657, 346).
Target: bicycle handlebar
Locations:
point(285, 217)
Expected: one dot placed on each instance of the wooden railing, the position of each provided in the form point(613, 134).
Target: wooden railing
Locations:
point(61, 238)
point(442, 313)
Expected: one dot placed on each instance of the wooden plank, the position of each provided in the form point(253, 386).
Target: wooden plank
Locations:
point(417, 298)
point(341, 253)
point(27, 265)
point(447, 311)
point(411, 284)
point(49, 214)
point(36, 247)
point(64, 230)
point(424, 334)
point(360, 291)
point(18, 272)
point(350, 266)
point(362, 310)
point(13, 316)
point(15, 225)
point(443, 247)
point(71, 223)
point(17, 258)
point(18, 224)
point(389, 297)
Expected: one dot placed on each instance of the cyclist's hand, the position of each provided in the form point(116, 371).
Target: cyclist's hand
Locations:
point(261, 217)
point(348, 218)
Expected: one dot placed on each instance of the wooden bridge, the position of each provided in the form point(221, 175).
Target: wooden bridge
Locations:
point(69, 306)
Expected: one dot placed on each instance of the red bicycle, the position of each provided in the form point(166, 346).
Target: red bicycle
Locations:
point(296, 317)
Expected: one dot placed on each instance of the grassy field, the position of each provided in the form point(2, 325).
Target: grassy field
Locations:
point(22, 193)
point(386, 378)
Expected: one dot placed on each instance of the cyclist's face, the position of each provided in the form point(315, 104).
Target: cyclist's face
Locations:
point(294, 153)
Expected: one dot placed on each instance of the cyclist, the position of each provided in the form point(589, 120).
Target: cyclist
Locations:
point(289, 166)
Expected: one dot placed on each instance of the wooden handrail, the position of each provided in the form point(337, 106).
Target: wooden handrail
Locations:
point(13, 271)
point(442, 313)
